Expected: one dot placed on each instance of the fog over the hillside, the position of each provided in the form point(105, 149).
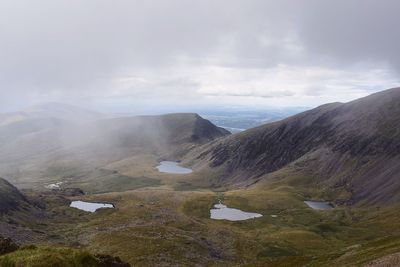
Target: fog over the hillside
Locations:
point(120, 55)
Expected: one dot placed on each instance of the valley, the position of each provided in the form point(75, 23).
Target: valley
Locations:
point(163, 174)
point(162, 226)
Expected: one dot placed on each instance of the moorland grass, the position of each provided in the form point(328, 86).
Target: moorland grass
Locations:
point(150, 226)
point(32, 256)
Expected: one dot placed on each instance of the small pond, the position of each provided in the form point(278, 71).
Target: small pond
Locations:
point(319, 205)
point(172, 167)
point(90, 206)
point(222, 212)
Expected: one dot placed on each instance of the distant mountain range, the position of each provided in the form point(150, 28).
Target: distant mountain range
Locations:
point(237, 119)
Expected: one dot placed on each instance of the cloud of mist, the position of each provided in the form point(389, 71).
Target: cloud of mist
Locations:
point(153, 53)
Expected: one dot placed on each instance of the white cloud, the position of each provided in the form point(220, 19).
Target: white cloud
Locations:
point(282, 85)
point(293, 85)
point(258, 52)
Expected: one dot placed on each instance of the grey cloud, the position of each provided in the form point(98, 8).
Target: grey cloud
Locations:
point(66, 48)
point(352, 31)
point(266, 94)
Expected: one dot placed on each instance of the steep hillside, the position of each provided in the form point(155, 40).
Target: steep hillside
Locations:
point(10, 198)
point(20, 217)
point(353, 146)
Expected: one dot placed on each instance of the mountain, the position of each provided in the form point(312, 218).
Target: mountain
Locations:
point(145, 132)
point(339, 152)
point(352, 148)
point(172, 129)
point(10, 198)
point(76, 147)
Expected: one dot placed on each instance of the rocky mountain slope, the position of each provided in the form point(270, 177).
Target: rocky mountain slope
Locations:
point(353, 146)
point(10, 197)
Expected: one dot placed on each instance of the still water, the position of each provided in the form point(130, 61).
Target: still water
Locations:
point(90, 206)
point(222, 212)
point(172, 167)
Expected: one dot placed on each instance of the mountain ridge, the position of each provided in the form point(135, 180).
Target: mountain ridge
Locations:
point(364, 131)
point(81, 147)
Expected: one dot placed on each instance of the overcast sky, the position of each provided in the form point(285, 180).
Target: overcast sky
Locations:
point(124, 55)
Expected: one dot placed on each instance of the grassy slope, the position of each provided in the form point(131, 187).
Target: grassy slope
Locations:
point(163, 226)
point(160, 226)
point(48, 257)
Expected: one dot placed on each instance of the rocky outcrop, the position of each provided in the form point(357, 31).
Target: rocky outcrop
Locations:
point(10, 197)
point(7, 246)
point(386, 261)
point(110, 261)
